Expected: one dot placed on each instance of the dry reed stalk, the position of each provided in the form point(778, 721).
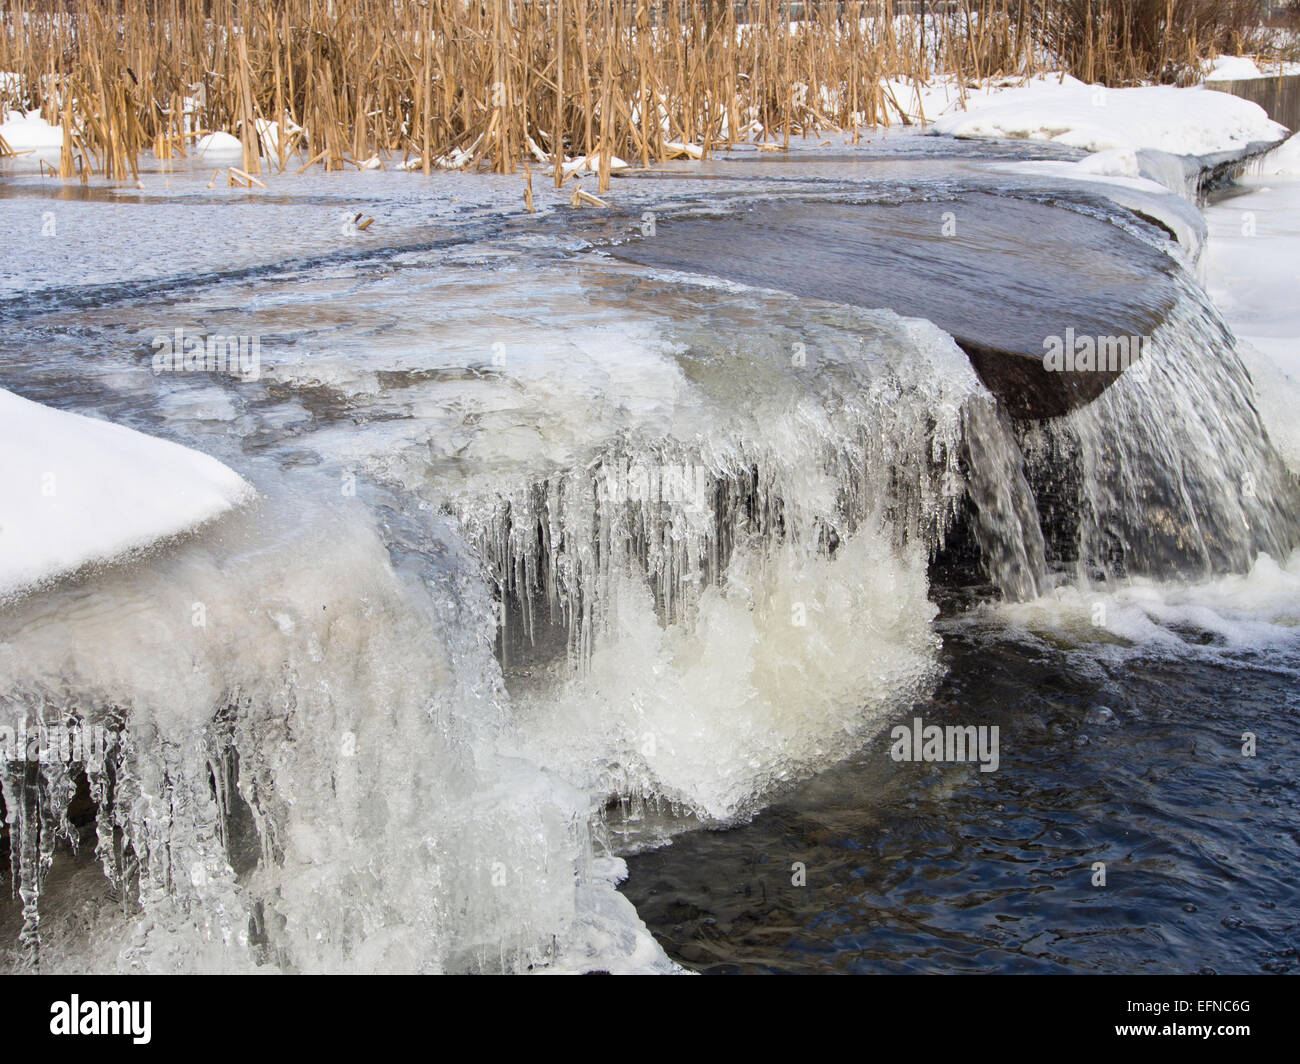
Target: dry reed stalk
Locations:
point(312, 161)
point(491, 82)
point(248, 179)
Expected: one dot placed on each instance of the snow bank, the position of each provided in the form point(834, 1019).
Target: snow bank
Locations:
point(1250, 272)
point(1193, 121)
point(923, 101)
point(1243, 68)
point(30, 132)
point(75, 490)
point(1233, 68)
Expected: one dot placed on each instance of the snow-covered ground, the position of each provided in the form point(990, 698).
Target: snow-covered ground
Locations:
point(74, 490)
point(30, 132)
point(1244, 68)
point(1251, 270)
point(1064, 110)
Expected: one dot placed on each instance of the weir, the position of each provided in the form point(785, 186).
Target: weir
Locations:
point(391, 744)
point(1002, 274)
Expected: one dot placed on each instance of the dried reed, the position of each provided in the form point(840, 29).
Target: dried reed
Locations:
point(491, 82)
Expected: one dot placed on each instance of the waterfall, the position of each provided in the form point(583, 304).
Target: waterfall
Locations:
point(685, 558)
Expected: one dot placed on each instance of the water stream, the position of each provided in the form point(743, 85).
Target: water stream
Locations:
point(556, 556)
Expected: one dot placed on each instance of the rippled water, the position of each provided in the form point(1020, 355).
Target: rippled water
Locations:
point(1133, 761)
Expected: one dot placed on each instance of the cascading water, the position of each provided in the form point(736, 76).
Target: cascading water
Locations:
point(532, 539)
point(1176, 472)
point(312, 687)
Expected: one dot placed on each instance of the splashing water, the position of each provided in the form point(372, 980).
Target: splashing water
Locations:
point(1177, 473)
point(616, 536)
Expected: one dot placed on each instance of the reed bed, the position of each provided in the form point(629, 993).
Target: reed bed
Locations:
point(503, 83)
point(1126, 41)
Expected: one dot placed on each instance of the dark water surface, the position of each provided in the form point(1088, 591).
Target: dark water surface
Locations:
point(941, 868)
point(999, 274)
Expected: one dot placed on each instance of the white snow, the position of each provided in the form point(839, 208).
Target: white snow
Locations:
point(1233, 68)
point(1282, 161)
point(924, 101)
point(1064, 110)
point(1252, 269)
point(219, 145)
point(682, 148)
point(75, 490)
point(30, 132)
point(268, 133)
point(1117, 166)
point(1243, 68)
point(590, 164)
point(1117, 162)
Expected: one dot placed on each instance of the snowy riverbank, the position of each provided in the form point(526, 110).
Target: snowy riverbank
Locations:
point(74, 491)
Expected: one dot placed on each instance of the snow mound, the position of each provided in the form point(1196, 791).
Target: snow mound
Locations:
point(1118, 162)
point(1233, 68)
point(30, 132)
point(75, 490)
point(219, 144)
point(1192, 121)
point(1243, 68)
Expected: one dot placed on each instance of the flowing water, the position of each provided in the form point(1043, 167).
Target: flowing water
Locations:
point(558, 559)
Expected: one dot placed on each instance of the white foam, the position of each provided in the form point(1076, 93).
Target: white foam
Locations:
point(1239, 613)
point(785, 669)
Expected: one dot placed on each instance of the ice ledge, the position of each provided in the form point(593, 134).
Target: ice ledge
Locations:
point(76, 491)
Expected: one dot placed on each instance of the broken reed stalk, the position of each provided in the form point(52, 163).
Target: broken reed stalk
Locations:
point(483, 82)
